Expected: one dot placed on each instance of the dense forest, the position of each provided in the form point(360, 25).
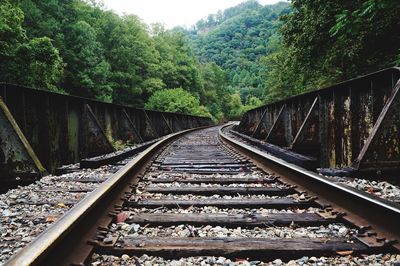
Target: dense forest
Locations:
point(227, 63)
point(273, 52)
point(236, 39)
point(79, 48)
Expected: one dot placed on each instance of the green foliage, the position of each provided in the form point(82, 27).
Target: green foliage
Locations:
point(178, 65)
point(325, 42)
point(88, 71)
point(134, 61)
point(215, 89)
point(374, 26)
point(11, 36)
point(234, 106)
point(110, 57)
point(30, 62)
point(235, 40)
point(80, 48)
point(228, 63)
point(176, 100)
point(43, 66)
point(251, 103)
point(11, 31)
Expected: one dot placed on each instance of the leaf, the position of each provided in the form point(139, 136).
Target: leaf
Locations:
point(61, 205)
point(51, 218)
point(345, 252)
point(122, 216)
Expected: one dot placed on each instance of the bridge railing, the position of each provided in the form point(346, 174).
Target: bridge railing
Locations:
point(352, 124)
point(49, 130)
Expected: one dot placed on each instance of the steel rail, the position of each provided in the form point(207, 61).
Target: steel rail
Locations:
point(360, 208)
point(54, 245)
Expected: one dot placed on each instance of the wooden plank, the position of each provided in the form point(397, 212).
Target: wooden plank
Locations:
point(190, 155)
point(208, 159)
point(278, 203)
point(196, 161)
point(221, 190)
point(212, 180)
point(201, 167)
point(209, 165)
point(207, 171)
point(232, 247)
point(66, 190)
point(230, 220)
point(39, 203)
point(84, 180)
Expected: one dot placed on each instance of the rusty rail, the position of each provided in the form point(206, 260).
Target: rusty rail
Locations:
point(62, 242)
point(360, 208)
point(352, 125)
point(50, 129)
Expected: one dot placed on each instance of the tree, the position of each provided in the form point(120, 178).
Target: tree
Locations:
point(331, 41)
point(134, 62)
point(88, 71)
point(369, 30)
point(235, 40)
point(177, 63)
point(215, 83)
point(251, 103)
point(35, 62)
point(234, 106)
point(176, 100)
point(11, 36)
point(42, 65)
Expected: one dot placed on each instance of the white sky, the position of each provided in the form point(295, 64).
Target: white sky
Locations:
point(173, 12)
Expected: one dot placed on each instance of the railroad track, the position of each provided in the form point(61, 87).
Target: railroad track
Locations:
point(193, 198)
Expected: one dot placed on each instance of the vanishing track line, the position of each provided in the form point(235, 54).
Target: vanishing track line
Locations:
point(195, 200)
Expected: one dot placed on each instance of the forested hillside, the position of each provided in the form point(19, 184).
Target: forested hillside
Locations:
point(79, 48)
point(273, 52)
point(236, 39)
point(227, 63)
point(321, 43)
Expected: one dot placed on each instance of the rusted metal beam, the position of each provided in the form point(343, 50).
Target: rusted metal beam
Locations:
point(382, 148)
point(276, 129)
point(352, 124)
point(259, 123)
point(150, 123)
point(96, 137)
point(132, 125)
point(177, 123)
point(307, 136)
point(166, 122)
point(60, 129)
point(16, 154)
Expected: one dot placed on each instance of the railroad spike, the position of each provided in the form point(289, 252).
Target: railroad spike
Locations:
point(94, 242)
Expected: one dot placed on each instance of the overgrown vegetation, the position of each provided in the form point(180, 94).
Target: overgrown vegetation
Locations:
point(325, 42)
point(226, 64)
point(79, 48)
point(177, 101)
